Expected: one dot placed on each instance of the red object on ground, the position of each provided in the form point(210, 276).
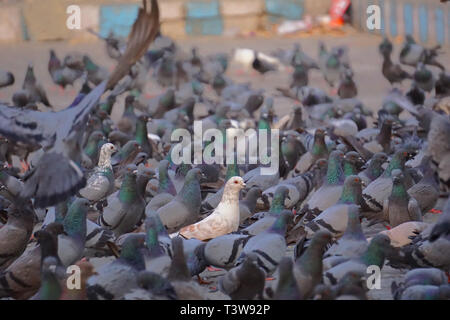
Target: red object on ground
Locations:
point(337, 10)
point(387, 227)
point(435, 211)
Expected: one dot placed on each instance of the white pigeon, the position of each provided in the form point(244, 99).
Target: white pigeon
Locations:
point(224, 219)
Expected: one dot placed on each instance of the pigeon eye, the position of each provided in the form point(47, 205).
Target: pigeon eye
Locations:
point(235, 181)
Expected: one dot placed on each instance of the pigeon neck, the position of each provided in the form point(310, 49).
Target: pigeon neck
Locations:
point(153, 243)
point(399, 191)
point(141, 132)
point(375, 169)
point(75, 222)
point(349, 169)
point(278, 203)
point(373, 256)
point(395, 163)
point(335, 173)
point(128, 191)
point(319, 148)
point(178, 268)
point(190, 193)
point(354, 229)
point(311, 260)
point(280, 225)
point(384, 137)
point(350, 195)
point(50, 287)
point(263, 124)
point(165, 183)
point(133, 256)
point(230, 194)
point(104, 161)
point(141, 182)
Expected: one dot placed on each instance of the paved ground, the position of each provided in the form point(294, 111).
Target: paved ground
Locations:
point(365, 60)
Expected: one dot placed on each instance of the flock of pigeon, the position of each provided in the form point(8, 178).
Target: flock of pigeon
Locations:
point(90, 187)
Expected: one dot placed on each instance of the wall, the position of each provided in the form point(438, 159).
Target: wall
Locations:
point(427, 21)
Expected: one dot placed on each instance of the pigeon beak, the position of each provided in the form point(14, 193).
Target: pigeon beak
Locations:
point(243, 185)
point(363, 184)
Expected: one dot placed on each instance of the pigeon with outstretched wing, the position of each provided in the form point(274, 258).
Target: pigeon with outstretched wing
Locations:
point(57, 175)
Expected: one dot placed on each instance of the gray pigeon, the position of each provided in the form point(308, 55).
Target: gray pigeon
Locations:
point(15, 234)
point(330, 191)
point(31, 91)
point(400, 207)
point(375, 254)
point(353, 243)
point(6, 78)
point(270, 245)
point(125, 207)
point(308, 267)
point(422, 284)
point(428, 249)
point(287, 288)
point(184, 209)
point(245, 281)
point(71, 245)
point(115, 279)
point(223, 251)
point(101, 183)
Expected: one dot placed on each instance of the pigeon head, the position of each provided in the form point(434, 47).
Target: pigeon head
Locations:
point(379, 158)
point(254, 192)
point(54, 228)
point(108, 149)
point(385, 46)
point(321, 163)
point(281, 193)
point(194, 174)
point(251, 259)
point(378, 248)
point(235, 183)
point(354, 158)
point(352, 191)
point(131, 251)
point(141, 158)
point(397, 162)
point(352, 163)
point(131, 170)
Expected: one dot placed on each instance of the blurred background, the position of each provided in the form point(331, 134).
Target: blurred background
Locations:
point(43, 20)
